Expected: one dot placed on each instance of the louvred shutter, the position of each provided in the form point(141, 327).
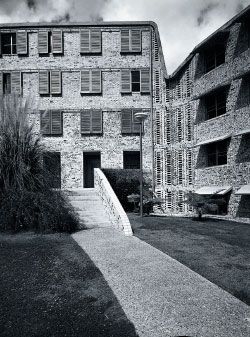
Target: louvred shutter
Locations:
point(57, 42)
point(86, 122)
point(135, 40)
point(16, 82)
point(126, 121)
point(96, 81)
point(56, 122)
point(55, 82)
point(125, 81)
point(85, 81)
point(84, 41)
point(125, 40)
point(96, 41)
point(135, 124)
point(43, 82)
point(145, 80)
point(1, 83)
point(45, 122)
point(96, 121)
point(43, 42)
point(22, 43)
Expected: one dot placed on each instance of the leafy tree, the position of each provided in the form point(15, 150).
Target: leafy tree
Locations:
point(204, 203)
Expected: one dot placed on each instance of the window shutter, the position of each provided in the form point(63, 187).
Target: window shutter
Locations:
point(84, 41)
point(56, 122)
point(43, 82)
point(55, 82)
point(126, 121)
point(145, 80)
point(96, 121)
point(135, 124)
point(86, 122)
point(125, 40)
point(43, 42)
point(0, 45)
point(57, 42)
point(1, 83)
point(96, 81)
point(45, 122)
point(125, 81)
point(16, 82)
point(22, 43)
point(96, 41)
point(135, 40)
point(85, 81)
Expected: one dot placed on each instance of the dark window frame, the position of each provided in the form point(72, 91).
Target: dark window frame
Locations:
point(214, 57)
point(6, 83)
point(215, 104)
point(12, 44)
point(216, 153)
point(135, 83)
point(127, 164)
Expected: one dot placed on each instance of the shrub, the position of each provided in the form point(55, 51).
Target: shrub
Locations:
point(26, 199)
point(124, 182)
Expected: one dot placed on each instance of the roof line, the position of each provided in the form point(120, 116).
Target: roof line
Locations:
point(198, 46)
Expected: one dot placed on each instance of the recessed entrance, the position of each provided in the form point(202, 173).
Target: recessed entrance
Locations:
point(91, 160)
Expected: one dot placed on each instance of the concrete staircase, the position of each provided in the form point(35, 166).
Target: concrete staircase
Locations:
point(89, 207)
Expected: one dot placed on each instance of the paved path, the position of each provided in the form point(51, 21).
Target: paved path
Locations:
point(159, 295)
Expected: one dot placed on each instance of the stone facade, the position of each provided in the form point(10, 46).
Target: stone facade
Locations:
point(182, 163)
point(111, 142)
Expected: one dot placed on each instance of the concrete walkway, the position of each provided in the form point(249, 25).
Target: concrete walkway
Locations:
point(159, 295)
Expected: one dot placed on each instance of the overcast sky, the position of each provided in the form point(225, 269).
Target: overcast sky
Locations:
point(182, 23)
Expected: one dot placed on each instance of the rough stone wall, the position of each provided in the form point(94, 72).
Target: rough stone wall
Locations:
point(71, 144)
point(237, 118)
point(178, 164)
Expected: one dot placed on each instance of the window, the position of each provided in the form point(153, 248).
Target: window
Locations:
point(135, 81)
point(243, 99)
point(129, 125)
point(50, 82)
point(215, 104)
point(214, 57)
point(52, 168)
point(10, 83)
point(243, 42)
point(91, 81)
point(91, 122)
point(51, 123)
point(50, 42)
point(217, 153)
point(8, 43)
point(90, 41)
point(131, 160)
point(130, 41)
point(6, 83)
point(14, 43)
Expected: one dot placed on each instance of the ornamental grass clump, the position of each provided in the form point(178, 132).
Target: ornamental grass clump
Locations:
point(27, 201)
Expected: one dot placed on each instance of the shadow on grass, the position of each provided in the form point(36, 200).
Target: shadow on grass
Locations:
point(50, 287)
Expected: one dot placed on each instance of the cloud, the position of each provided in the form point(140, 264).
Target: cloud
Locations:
point(182, 23)
point(204, 12)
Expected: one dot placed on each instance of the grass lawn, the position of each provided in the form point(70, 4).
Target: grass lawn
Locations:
point(219, 250)
point(49, 287)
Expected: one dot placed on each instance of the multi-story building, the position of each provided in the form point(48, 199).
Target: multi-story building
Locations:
point(85, 83)
point(205, 145)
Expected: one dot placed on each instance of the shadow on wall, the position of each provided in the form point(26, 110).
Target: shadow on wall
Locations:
point(243, 154)
point(244, 207)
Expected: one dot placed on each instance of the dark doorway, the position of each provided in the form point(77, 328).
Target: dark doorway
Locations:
point(52, 166)
point(91, 160)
